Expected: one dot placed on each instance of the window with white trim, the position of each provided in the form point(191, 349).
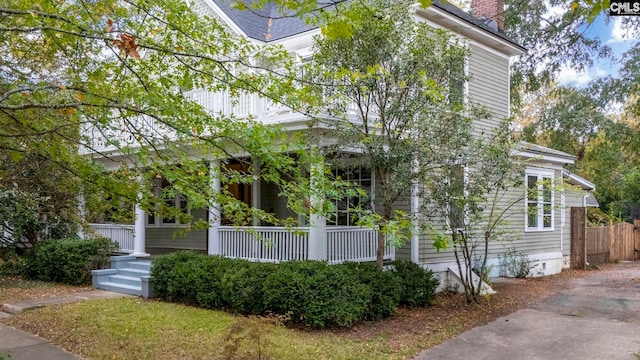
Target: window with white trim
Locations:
point(359, 177)
point(539, 200)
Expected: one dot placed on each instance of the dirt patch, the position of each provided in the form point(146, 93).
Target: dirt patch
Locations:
point(15, 289)
point(449, 315)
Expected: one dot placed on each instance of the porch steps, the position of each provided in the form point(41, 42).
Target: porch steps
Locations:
point(122, 288)
point(128, 275)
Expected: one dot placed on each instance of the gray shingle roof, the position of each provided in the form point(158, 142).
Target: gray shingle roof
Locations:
point(255, 23)
point(543, 150)
point(459, 13)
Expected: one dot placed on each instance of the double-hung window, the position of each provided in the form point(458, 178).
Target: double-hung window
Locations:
point(539, 200)
point(359, 177)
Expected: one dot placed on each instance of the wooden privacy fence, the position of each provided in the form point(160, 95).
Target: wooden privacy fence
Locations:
point(612, 243)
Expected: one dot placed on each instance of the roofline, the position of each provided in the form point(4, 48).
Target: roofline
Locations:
point(226, 19)
point(436, 10)
point(586, 184)
point(545, 157)
point(472, 30)
point(539, 152)
point(541, 156)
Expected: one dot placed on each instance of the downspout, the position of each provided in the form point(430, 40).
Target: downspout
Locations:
point(562, 221)
point(415, 208)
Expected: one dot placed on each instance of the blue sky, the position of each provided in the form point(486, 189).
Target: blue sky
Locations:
point(610, 32)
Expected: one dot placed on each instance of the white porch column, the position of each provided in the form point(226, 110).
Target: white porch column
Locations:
point(317, 222)
point(415, 210)
point(215, 216)
point(140, 229)
point(255, 191)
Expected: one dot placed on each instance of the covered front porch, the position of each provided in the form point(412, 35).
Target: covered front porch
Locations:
point(334, 244)
point(330, 237)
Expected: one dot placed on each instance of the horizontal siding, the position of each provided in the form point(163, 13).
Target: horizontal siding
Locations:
point(489, 85)
point(403, 204)
point(165, 237)
point(515, 237)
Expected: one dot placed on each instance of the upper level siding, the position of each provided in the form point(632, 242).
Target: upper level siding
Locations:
point(489, 84)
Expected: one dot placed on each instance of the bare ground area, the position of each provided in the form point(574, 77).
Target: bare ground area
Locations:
point(450, 315)
point(14, 289)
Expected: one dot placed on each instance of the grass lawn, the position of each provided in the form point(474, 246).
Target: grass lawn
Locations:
point(141, 329)
point(135, 328)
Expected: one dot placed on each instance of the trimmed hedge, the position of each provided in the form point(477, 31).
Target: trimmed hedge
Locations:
point(310, 293)
point(418, 286)
point(243, 289)
point(68, 261)
point(315, 294)
point(385, 289)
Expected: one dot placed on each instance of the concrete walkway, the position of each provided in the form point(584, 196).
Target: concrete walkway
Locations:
point(597, 317)
point(14, 308)
point(18, 345)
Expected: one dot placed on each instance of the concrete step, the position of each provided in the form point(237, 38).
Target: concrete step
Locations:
point(125, 280)
point(121, 288)
point(136, 273)
point(454, 274)
point(5, 315)
point(140, 265)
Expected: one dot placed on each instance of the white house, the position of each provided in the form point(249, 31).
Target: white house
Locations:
point(544, 235)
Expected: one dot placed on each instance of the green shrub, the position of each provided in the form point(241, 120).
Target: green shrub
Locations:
point(316, 294)
point(175, 275)
point(517, 264)
point(243, 289)
point(10, 263)
point(193, 278)
point(68, 261)
point(385, 289)
point(418, 286)
point(209, 292)
point(310, 293)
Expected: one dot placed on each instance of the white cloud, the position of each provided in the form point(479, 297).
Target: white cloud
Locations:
point(599, 72)
point(557, 10)
point(568, 75)
point(618, 34)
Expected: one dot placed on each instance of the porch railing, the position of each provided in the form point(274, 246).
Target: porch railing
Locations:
point(264, 243)
point(275, 244)
point(122, 234)
point(349, 243)
point(130, 132)
point(243, 105)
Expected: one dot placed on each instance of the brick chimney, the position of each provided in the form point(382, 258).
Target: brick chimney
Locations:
point(489, 9)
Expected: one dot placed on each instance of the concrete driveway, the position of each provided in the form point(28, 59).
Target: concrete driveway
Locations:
point(596, 317)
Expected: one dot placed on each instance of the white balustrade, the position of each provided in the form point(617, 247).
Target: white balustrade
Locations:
point(241, 106)
point(122, 234)
point(350, 243)
point(264, 243)
point(275, 244)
